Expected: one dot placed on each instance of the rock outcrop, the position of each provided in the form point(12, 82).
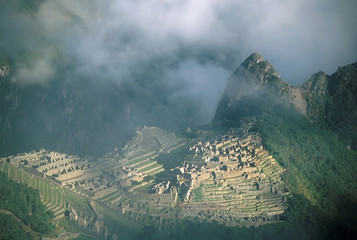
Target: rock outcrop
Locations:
point(254, 76)
point(323, 99)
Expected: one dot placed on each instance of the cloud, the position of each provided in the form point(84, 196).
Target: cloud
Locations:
point(298, 37)
point(202, 84)
point(301, 37)
point(165, 41)
point(38, 72)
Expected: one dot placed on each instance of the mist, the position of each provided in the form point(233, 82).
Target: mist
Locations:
point(181, 50)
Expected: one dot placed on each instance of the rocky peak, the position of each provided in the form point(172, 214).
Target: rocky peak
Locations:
point(4, 71)
point(262, 69)
point(253, 59)
point(344, 78)
point(317, 84)
point(253, 74)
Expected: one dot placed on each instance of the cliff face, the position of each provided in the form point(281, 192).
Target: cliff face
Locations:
point(341, 103)
point(78, 116)
point(254, 77)
point(10, 97)
point(251, 75)
point(329, 101)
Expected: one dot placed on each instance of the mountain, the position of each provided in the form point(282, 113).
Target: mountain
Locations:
point(275, 155)
point(332, 101)
point(329, 101)
point(310, 130)
point(80, 116)
point(256, 76)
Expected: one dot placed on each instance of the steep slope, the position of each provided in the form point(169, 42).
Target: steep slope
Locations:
point(332, 101)
point(82, 116)
point(329, 101)
point(250, 78)
point(320, 169)
point(255, 77)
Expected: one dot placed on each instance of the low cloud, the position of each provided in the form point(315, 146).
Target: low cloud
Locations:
point(193, 45)
point(38, 72)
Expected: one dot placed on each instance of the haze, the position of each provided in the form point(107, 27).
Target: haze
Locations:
point(188, 48)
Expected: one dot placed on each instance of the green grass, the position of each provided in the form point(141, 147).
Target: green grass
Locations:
point(46, 192)
point(154, 172)
point(199, 196)
point(111, 198)
point(143, 163)
point(137, 155)
point(19, 176)
point(25, 179)
point(150, 167)
point(12, 172)
point(140, 159)
point(107, 196)
point(70, 226)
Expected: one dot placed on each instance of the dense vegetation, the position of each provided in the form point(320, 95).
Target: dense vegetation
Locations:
point(187, 230)
point(320, 173)
point(12, 229)
point(335, 106)
point(25, 204)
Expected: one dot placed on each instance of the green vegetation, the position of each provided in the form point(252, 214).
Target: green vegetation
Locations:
point(84, 237)
point(11, 229)
point(73, 227)
point(335, 107)
point(53, 196)
point(26, 204)
point(187, 230)
point(198, 193)
point(320, 171)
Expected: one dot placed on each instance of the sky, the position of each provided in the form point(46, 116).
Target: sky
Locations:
point(187, 46)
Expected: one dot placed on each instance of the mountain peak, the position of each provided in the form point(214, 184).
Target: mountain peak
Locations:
point(253, 58)
point(259, 67)
point(253, 74)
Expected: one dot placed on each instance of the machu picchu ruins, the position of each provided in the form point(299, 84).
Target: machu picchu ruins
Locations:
point(229, 178)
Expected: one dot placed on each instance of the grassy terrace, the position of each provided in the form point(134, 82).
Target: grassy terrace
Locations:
point(152, 166)
point(53, 196)
point(113, 198)
point(140, 163)
point(145, 164)
point(104, 198)
point(153, 171)
point(140, 158)
point(140, 155)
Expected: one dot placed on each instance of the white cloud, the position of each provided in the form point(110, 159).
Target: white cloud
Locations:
point(121, 39)
point(37, 72)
